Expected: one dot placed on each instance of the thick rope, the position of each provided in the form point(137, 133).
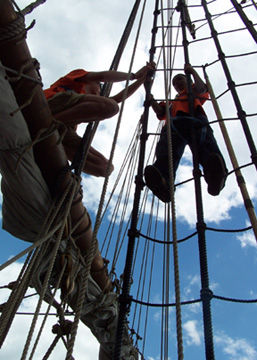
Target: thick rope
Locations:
point(92, 127)
point(13, 31)
point(173, 208)
point(124, 297)
point(193, 301)
point(16, 295)
point(246, 21)
point(12, 305)
point(51, 264)
point(97, 223)
point(91, 252)
point(240, 179)
point(31, 269)
point(231, 84)
point(21, 32)
point(48, 311)
point(45, 239)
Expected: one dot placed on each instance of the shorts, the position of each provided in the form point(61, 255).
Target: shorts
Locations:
point(63, 101)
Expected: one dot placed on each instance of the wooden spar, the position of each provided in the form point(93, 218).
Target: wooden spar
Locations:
point(49, 155)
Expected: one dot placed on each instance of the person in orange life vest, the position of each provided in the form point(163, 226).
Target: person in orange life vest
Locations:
point(75, 98)
point(210, 157)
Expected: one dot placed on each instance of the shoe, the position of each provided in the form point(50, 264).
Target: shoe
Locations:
point(157, 184)
point(215, 174)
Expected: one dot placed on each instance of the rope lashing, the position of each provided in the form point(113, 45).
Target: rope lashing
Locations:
point(61, 329)
point(14, 31)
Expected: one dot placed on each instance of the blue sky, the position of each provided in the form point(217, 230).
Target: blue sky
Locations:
point(92, 31)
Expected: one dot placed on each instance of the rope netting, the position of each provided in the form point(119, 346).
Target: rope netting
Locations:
point(153, 216)
point(159, 238)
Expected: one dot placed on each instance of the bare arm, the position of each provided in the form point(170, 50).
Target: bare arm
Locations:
point(106, 76)
point(157, 108)
point(115, 76)
point(200, 86)
point(130, 90)
point(140, 76)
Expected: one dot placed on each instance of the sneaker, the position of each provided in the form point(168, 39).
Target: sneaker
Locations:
point(157, 184)
point(215, 174)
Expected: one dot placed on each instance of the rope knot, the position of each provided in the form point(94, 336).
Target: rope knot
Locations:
point(64, 328)
point(123, 299)
point(206, 294)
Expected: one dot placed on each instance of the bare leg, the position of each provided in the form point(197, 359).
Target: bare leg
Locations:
point(96, 164)
point(90, 108)
point(49, 156)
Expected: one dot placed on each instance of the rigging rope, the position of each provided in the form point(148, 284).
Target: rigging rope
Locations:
point(173, 211)
point(138, 234)
point(205, 291)
point(231, 84)
point(240, 179)
point(124, 297)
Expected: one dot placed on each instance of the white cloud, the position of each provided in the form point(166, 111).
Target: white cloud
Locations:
point(193, 280)
point(193, 332)
point(253, 294)
point(236, 349)
point(86, 346)
point(90, 42)
point(72, 36)
point(157, 316)
point(247, 239)
point(195, 308)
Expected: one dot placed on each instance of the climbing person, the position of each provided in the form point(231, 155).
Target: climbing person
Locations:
point(26, 203)
point(210, 157)
point(96, 163)
point(42, 198)
point(75, 98)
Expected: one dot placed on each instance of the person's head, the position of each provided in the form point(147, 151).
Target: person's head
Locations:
point(179, 82)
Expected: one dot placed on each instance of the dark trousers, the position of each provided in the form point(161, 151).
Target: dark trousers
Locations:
point(181, 136)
